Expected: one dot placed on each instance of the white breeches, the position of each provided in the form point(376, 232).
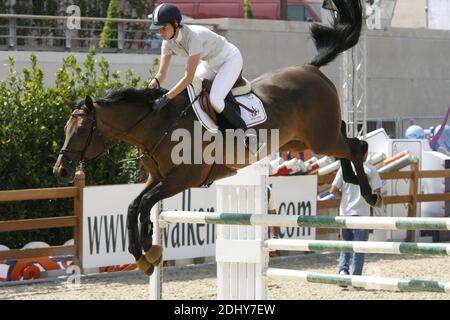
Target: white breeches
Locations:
point(223, 70)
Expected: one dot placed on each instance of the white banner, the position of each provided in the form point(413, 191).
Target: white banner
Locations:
point(296, 195)
point(105, 241)
point(183, 241)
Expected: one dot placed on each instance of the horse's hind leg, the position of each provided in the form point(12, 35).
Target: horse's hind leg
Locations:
point(348, 174)
point(366, 190)
point(349, 149)
point(357, 159)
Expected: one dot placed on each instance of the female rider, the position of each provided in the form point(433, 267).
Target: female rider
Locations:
point(209, 56)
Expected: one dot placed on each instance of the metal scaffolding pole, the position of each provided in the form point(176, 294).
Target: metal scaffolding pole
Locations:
point(353, 89)
point(354, 86)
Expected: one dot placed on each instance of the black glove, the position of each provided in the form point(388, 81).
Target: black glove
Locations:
point(161, 103)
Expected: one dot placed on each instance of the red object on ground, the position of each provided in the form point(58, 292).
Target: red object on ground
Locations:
point(23, 268)
point(31, 272)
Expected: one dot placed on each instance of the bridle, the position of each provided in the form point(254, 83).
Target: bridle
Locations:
point(81, 162)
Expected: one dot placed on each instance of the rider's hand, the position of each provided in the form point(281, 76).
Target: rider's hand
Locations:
point(161, 102)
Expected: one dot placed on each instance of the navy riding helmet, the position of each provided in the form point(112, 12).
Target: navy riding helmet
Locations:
point(163, 14)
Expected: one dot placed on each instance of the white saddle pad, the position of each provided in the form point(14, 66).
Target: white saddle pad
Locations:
point(251, 101)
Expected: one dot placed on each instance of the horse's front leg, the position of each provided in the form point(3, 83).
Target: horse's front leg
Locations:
point(134, 245)
point(182, 178)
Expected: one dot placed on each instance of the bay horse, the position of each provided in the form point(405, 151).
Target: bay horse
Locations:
point(299, 100)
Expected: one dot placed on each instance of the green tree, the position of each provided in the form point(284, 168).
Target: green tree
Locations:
point(248, 13)
point(110, 29)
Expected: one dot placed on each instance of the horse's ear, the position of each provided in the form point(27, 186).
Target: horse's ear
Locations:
point(69, 103)
point(89, 103)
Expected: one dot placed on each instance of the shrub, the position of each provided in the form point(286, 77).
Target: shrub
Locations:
point(32, 119)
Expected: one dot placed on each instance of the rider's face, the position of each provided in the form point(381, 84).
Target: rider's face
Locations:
point(167, 31)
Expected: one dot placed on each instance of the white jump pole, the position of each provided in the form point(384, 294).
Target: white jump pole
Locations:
point(156, 280)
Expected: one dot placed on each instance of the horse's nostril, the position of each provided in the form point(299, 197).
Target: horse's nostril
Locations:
point(63, 173)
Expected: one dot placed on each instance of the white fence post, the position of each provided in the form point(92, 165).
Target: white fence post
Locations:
point(240, 259)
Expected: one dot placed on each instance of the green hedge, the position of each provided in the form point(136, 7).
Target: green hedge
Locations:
point(32, 119)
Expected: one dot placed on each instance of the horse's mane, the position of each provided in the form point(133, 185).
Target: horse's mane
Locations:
point(134, 95)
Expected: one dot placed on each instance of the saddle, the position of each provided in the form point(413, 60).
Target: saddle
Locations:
point(241, 87)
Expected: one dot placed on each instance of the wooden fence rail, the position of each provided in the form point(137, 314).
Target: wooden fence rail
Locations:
point(38, 194)
point(75, 221)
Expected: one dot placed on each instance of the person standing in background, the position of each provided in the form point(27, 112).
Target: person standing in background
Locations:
point(353, 204)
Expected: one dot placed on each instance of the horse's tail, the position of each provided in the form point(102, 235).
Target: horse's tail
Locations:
point(342, 35)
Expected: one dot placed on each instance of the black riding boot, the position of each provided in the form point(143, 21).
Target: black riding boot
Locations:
point(251, 141)
point(231, 114)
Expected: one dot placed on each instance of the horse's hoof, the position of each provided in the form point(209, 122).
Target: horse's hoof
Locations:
point(154, 255)
point(145, 266)
point(379, 202)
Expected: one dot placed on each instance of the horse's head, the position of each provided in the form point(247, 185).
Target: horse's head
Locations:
point(83, 141)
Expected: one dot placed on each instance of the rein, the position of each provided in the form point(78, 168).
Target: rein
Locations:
point(120, 136)
point(177, 120)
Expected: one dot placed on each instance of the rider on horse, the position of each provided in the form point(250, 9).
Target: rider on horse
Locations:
point(209, 56)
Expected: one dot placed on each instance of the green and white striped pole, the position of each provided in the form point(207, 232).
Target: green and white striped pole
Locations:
point(358, 246)
point(342, 222)
point(374, 283)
